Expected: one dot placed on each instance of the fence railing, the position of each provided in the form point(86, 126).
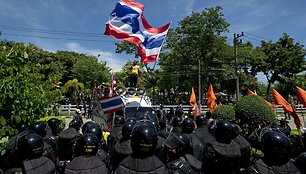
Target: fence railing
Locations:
point(70, 109)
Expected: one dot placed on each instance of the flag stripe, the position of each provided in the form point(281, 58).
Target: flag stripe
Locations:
point(128, 23)
point(112, 103)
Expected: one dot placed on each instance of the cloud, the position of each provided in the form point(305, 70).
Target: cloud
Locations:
point(111, 60)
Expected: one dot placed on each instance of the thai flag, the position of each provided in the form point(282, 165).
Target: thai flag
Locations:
point(111, 104)
point(128, 23)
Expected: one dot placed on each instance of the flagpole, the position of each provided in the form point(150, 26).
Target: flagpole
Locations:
point(153, 67)
point(161, 47)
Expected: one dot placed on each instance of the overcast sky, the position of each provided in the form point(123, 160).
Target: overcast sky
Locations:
point(48, 21)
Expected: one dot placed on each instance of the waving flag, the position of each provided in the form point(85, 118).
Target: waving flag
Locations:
point(301, 95)
point(128, 23)
point(269, 103)
point(111, 104)
point(211, 98)
point(193, 100)
point(278, 99)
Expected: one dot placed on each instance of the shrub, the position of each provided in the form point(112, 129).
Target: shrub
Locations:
point(252, 109)
point(224, 112)
point(63, 120)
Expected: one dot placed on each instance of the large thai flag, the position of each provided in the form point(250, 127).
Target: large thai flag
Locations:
point(111, 104)
point(128, 23)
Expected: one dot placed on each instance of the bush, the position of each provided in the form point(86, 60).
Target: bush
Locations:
point(63, 120)
point(224, 112)
point(252, 109)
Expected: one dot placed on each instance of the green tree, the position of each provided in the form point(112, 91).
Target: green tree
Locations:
point(88, 70)
point(25, 92)
point(284, 59)
point(72, 88)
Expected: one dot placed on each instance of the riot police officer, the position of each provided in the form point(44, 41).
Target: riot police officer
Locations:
point(31, 149)
point(85, 160)
point(123, 146)
point(222, 154)
point(142, 159)
point(276, 148)
point(116, 132)
point(54, 125)
point(50, 142)
point(67, 138)
point(176, 124)
point(188, 125)
point(102, 153)
point(177, 159)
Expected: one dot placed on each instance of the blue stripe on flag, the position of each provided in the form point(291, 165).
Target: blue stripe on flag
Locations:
point(128, 16)
point(111, 103)
point(153, 42)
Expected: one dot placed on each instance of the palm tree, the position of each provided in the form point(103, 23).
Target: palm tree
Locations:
point(72, 88)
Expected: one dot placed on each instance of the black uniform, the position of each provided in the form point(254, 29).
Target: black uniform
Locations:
point(176, 145)
point(222, 154)
point(185, 164)
point(260, 167)
point(149, 164)
point(85, 160)
point(276, 147)
point(122, 149)
point(86, 165)
point(66, 140)
point(39, 165)
point(143, 143)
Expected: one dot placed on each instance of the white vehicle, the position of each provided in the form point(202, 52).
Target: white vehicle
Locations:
point(134, 106)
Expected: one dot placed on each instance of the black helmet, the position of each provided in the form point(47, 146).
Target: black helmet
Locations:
point(224, 131)
point(87, 125)
point(144, 138)
point(54, 123)
point(176, 121)
point(200, 120)
point(188, 125)
point(40, 128)
point(86, 145)
point(127, 129)
point(131, 119)
point(95, 129)
point(75, 123)
point(119, 119)
point(144, 117)
point(276, 146)
point(30, 146)
point(173, 141)
point(24, 127)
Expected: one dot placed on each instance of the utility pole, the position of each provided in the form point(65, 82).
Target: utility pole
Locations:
point(200, 82)
point(236, 36)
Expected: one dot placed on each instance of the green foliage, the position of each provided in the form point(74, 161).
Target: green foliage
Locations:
point(224, 112)
point(25, 91)
point(284, 59)
point(253, 110)
point(62, 119)
point(88, 70)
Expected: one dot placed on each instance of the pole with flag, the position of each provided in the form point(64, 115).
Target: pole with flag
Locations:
point(211, 98)
point(278, 99)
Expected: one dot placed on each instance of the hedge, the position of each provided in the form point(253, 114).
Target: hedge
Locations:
point(224, 112)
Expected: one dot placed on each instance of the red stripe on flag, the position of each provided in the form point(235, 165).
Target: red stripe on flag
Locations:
point(111, 31)
point(132, 3)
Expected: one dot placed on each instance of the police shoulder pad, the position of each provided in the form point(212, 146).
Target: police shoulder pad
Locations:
point(194, 162)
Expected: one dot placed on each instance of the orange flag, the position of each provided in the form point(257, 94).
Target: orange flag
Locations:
point(301, 95)
point(270, 104)
point(278, 99)
point(192, 100)
point(251, 92)
point(296, 118)
point(211, 98)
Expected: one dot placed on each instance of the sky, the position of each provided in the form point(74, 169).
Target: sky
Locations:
point(78, 25)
